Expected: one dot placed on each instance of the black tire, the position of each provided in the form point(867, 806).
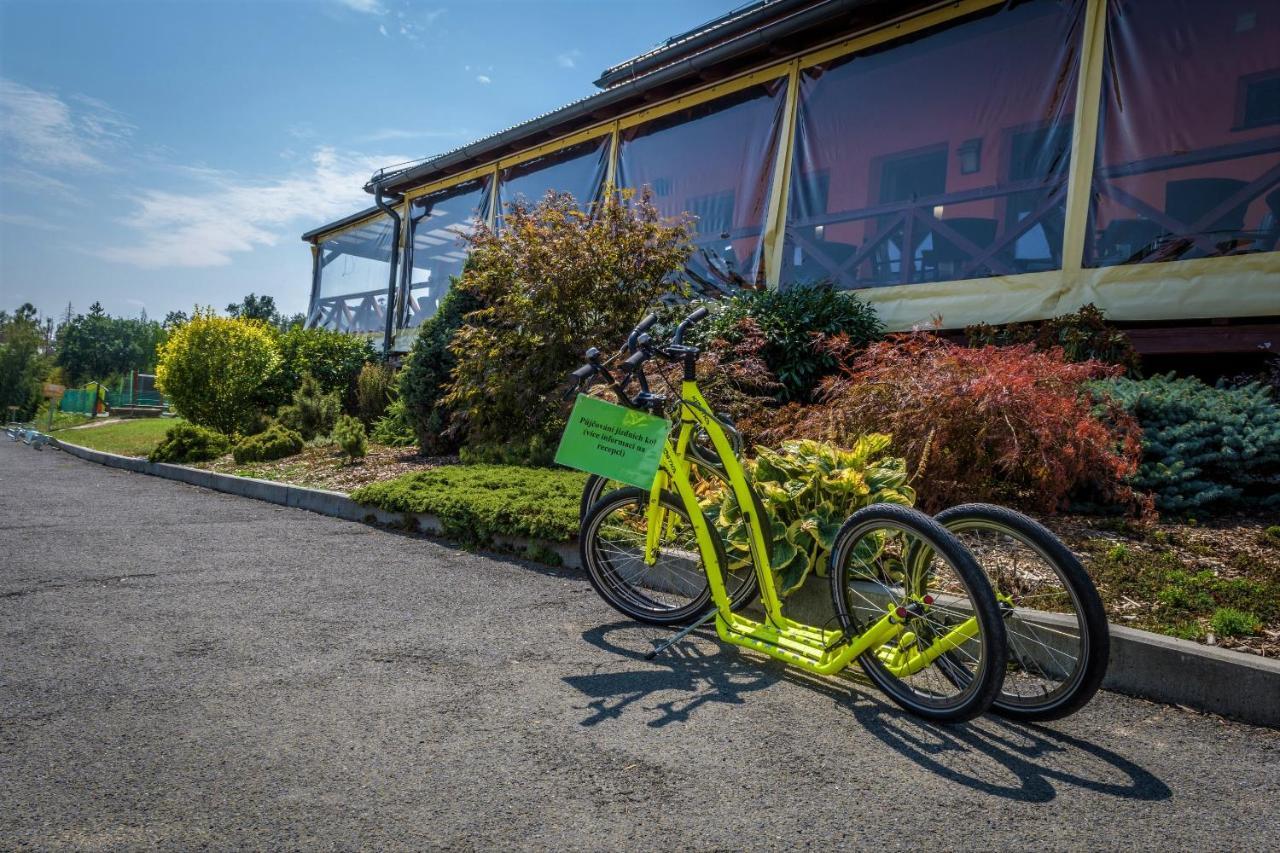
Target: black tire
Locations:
point(672, 595)
point(1024, 695)
point(740, 594)
point(910, 533)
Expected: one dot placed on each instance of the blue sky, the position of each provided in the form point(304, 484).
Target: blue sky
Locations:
point(158, 155)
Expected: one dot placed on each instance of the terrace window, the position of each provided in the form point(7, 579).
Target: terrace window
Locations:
point(1188, 162)
point(354, 266)
point(715, 161)
point(941, 157)
point(578, 169)
point(437, 250)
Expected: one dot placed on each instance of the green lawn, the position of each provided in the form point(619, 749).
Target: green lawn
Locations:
point(127, 438)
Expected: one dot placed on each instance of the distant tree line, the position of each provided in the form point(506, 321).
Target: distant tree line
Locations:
point(94, 346)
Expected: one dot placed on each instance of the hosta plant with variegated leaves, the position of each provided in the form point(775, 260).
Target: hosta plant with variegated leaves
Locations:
point(808, 489)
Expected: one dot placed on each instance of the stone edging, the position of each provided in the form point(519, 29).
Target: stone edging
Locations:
point(1151, 666)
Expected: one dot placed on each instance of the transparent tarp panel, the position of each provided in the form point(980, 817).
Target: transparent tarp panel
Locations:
point(578, 170)
point(1188, 161)
point(715, 161)
point(438, 222)
point(354, 267)
point(943, 157)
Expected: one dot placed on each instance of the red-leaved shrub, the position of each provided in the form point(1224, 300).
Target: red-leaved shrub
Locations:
point(1003, 424)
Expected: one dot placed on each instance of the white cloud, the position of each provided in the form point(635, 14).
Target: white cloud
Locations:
point(568, 59)
point(41, 128)
point(36, 183)
point(371, 7)
point(204, 228)
point(382, 28)
point(483, 78)
point(24, 220)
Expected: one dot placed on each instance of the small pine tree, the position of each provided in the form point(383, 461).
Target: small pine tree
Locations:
point(312, 412)
point(351, 437)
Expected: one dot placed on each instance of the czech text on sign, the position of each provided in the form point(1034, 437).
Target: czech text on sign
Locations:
point(613, 441)
point(53, 390)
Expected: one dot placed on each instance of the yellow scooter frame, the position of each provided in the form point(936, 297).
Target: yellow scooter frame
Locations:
point(824, 652)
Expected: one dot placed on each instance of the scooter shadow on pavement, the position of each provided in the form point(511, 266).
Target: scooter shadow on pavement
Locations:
point(1016, 761)
point(698, 667)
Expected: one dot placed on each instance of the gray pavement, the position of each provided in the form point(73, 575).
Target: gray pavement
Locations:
point(183, 668)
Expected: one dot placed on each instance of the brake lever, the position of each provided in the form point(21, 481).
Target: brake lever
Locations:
point(572, 391)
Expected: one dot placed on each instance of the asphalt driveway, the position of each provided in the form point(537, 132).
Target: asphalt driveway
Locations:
point(180, 668)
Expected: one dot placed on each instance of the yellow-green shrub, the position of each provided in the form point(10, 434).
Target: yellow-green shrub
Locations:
point(212, 369)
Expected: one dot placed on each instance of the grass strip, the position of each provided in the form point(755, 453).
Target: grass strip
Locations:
point(126, 438)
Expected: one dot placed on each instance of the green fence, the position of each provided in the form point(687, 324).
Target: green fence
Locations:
point(142, 398)
point(79, 400)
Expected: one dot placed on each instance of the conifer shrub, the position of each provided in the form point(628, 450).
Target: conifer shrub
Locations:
point(186, 442)
point(1212, 448)
point(350, 435)
point(1000, 424)
point(275, 442)
point(424, 379)
point(395, 427)
point(313, 410)
point(475, 503)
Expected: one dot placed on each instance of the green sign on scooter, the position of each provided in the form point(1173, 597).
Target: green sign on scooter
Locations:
point(613, 441)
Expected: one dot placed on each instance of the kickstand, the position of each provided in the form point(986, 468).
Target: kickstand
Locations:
point(681, 634)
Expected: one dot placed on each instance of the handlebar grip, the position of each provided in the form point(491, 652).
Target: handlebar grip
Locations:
point(643, 326)
point(637, 359)
point(697, 316)
point(584, 372)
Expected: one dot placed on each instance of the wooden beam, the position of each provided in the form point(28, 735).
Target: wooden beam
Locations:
point(1207, 340)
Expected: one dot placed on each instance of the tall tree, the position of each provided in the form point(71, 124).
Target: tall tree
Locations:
point(95, 346)
point(254, 307)
point(22, 364)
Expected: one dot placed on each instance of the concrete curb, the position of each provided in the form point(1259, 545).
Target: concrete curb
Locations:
point(1150, 666)
point(321, 501)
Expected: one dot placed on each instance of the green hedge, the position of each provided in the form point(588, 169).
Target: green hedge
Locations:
point(186, 442)
point(477, 502)
point(276, 442)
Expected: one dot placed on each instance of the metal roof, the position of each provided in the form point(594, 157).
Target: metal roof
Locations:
point(757, 27)
point(745, 17)
point(341, 223)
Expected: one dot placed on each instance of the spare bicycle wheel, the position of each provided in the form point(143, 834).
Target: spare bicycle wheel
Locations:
point(894, 559)
point(1059, 641)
